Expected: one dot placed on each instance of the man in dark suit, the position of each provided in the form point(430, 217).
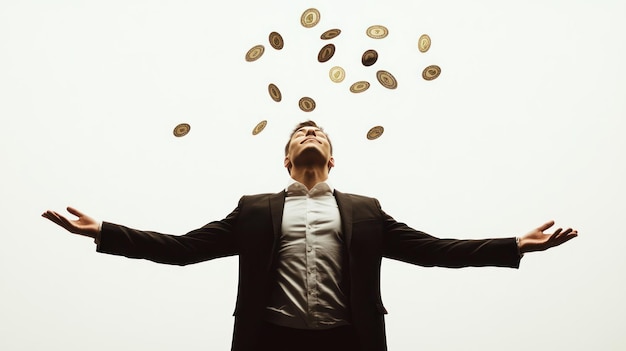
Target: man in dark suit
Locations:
point(309, 256)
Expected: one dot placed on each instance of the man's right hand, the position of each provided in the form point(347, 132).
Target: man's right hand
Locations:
point(84, 225)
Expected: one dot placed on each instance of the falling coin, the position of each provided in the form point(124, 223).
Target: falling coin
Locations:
point(310, 18)
point(259, 127)
point(274, 92)
point(306, 104)
point(330, 34)
point(369, 58)
point(387, 79)
point(326, 53)
point(254, 53)
point(276, 40)
point(181, 130)
point(375, 132)
point(377, 32)
point(424, 43)
point(359, 87)
point(431, 72)
point(337, 74)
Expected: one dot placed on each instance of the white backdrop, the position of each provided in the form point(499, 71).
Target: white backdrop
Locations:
point(525, 124)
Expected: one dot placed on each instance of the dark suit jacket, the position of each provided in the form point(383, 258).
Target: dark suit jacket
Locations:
point(252, 231)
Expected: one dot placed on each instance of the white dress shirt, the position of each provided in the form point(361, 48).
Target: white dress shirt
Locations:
point(307, 293)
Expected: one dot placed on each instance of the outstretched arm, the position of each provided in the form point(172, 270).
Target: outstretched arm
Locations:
point(537, 240)
point(84, 225)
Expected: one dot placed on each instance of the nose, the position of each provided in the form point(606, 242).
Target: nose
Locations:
point(310, 131)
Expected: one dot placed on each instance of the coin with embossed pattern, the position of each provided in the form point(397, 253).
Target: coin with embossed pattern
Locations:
point(337, 74)
point(306, 104)
point(424, 43)
point(310, 18)
point(375, 132)
point(330, 34)
point(431, 72)
point(369, 58)
point(276, 40)
point(181, 130)
point(255, 52)
point(359, 86)
point(274, 92)
point(377, 31)
point(259, 127)
point(326, 53)
point(386, 79)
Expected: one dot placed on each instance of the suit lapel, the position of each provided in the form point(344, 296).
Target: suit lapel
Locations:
point(345, 211)
point(277, 203)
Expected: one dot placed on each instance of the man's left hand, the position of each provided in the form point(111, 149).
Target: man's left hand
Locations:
point(537, 240)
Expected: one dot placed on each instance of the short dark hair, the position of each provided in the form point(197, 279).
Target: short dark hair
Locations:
point(308, 123)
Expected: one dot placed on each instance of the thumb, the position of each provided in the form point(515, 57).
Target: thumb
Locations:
point(546, 226)
point(75, 212)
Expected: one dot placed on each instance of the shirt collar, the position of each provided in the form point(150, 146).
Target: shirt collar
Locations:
point(295, 188)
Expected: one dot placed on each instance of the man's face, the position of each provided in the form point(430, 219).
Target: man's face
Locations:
point(309, 146)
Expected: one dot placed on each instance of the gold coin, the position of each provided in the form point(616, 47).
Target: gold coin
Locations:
point(276, 40)
point(359, 87)
point(255, 52)
point(431, 72)
point(424, 43)
point(274, 92)
point(330, 34)
point(337, 74)
point(326, 53)
point(387, 79)
point(369, 58)
point(375, 132)
point(377, 32)
point(310, 18)
point(259, 127)
point(306, 104)
point(181, 130)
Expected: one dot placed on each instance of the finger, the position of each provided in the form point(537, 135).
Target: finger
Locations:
point(546, 226)
point(75, 212)
point(54, 217)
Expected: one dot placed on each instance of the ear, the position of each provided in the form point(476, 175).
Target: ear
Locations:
point(287, 163)
point(331, 163)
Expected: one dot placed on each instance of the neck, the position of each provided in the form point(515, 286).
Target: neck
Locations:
point(309, 176)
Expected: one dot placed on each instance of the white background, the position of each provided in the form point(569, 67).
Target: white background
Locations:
point(525, 124)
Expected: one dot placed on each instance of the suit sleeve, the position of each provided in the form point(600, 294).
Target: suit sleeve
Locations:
point(409, 245)
point(216, 239)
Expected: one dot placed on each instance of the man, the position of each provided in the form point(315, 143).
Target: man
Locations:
point(309, 256)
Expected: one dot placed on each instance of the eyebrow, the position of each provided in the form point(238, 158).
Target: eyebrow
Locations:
point(315, 129)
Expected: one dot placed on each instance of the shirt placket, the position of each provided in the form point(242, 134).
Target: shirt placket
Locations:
point(311, 277)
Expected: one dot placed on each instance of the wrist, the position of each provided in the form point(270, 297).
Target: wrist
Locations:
point(520, 248)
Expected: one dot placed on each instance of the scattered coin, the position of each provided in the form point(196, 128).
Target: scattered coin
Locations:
point(431, 72)
point(255, 52)
point(424, 43)
point(310, 18)
point(369, 58)
point(274, 92)
point(306, 104)
point(375, 132)
point(259, 127)
point(181, 130)
point(359, 87)
point(387, 79)
point(377, 32)
point(326, 53)
point(337, 74)
point(276, 40)
point(330, 34)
